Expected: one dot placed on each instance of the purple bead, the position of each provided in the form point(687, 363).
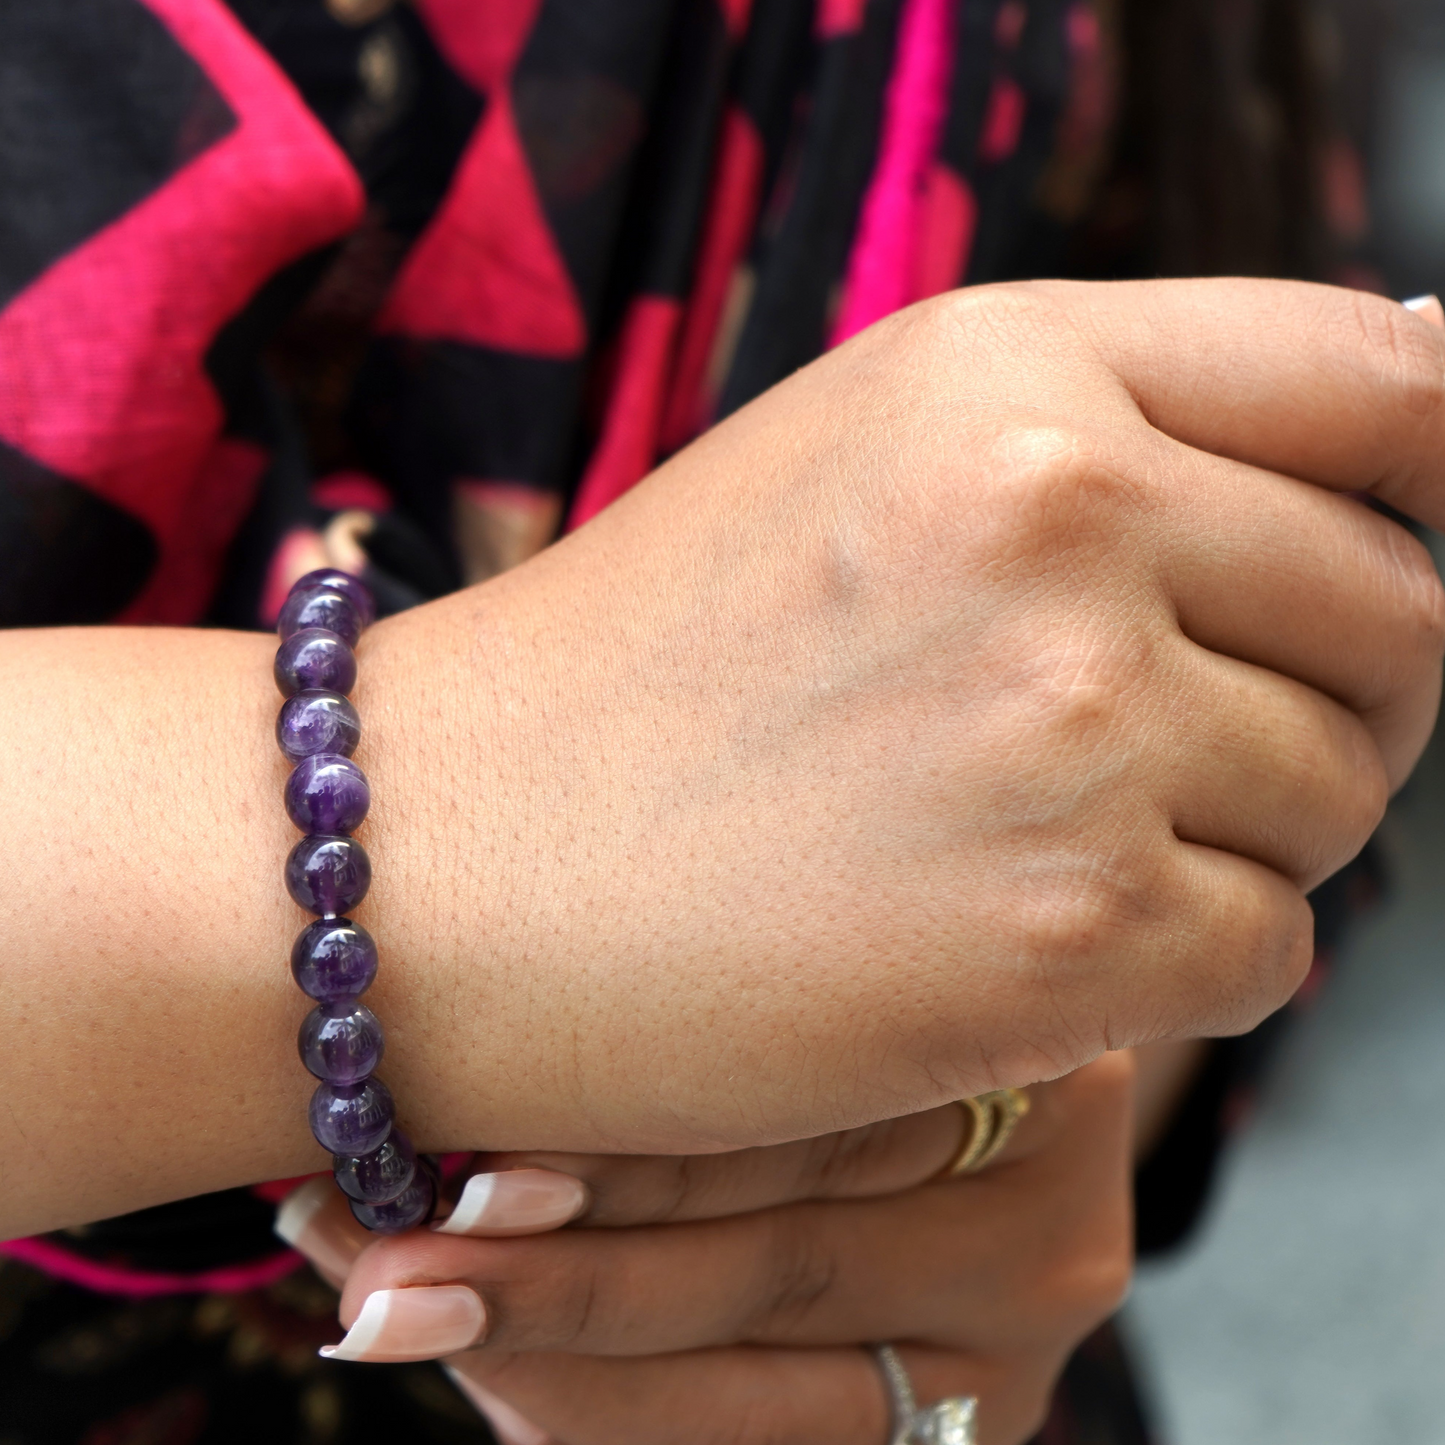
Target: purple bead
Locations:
point(327, 794)
point(328, 875)
point(333, 958)
point(413, 1207)
point(348, 585)
point(322, 607)
point(314, 661)
point(317, 722)
point(341, 1042)
point(378, 1177)
point(352, 1118)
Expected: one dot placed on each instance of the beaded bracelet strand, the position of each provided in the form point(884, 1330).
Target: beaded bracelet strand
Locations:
point(334, 960)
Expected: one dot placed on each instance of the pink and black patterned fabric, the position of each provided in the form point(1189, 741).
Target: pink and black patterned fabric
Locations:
point(472, 267)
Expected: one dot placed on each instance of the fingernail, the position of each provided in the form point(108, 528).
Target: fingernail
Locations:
point(508, 1426)
point(325, 1241)
point(413, 1324)
point(1427, 307)
point(516, 1201)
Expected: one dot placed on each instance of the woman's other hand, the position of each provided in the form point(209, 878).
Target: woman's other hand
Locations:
point(731, 1297)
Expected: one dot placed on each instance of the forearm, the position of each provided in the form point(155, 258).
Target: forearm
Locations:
point(147, 1008)
point(148, 1012)
point(146, 1005)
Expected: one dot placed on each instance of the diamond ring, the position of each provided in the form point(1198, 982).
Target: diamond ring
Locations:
point(953, 1421)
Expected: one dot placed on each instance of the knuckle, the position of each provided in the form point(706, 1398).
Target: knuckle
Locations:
point(798, 1273)
point(1059, 495)
point(1342, 788)
point(1084, 1285)
point(1099, 1283)
point(1419, 598)
point(677, 1188)
point(1249, 947)
point(1069, 932)
point(1084, 691)
point(1268, 954)
point(1083, 1272)
point(1098, 899)
point(559, 1306)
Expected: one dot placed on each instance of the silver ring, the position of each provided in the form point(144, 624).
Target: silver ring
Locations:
point(953, 1421)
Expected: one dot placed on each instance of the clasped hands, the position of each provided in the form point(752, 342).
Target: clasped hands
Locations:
point(729, 1297)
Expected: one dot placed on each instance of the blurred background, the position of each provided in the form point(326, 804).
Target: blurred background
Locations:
point(1309, 1305)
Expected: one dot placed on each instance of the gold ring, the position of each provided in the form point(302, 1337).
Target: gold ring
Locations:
point(992, 1118)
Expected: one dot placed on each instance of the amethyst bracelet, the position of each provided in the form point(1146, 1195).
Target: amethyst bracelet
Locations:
point(334, 960)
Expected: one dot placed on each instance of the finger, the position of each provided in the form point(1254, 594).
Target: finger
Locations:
point(1337, 387)
point(1352, 601)
point(509, 1425)
point(1427, 308)
point(1041, 1245)
point(515, 1200)
point(1272, 770)
point(314, 1220)
point(1215, 940)
point(745, 1396)
point(875, 1159)
point(1238, 948)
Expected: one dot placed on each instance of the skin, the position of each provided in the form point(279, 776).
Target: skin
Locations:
point(729, 1298)
point(982, 698)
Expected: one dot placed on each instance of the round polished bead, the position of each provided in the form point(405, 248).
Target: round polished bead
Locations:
point(317, 722)
point(333, 958)
point(348, 585)
point(341, 1042)
point(411, 1208)
point(327, 794)
point(328, 874)
point(322, 607)
point(352, 1118)
point(378, 1177)
point(314, 660)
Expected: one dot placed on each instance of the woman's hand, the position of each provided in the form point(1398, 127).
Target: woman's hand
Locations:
point(983, 697)
point(730, 1297)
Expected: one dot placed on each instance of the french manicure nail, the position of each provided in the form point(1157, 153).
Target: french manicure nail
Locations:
point(1427, 307)
point(300, 1221)
point(507, 1425)
point(516, 1201)
point(413, 1324)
